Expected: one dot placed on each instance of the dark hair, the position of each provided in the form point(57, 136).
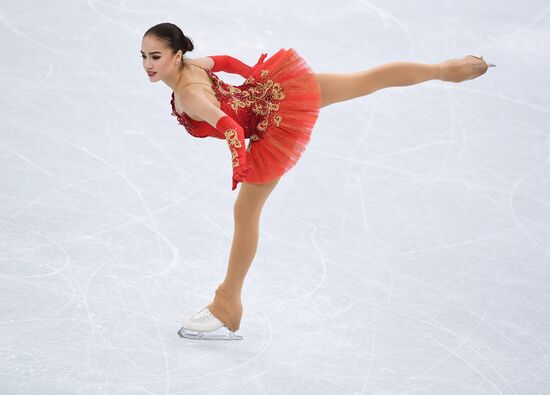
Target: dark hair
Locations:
point(172, 36)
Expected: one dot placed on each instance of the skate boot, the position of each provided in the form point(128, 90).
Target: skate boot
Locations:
point(467, 68)
point(199, 325)
point(225, 311)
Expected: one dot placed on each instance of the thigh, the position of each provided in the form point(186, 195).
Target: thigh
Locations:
point(251, 197)
point(338, 87)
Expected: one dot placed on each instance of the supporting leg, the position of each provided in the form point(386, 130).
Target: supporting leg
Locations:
point(243, 251)
point(338, 87)
point(248, 206)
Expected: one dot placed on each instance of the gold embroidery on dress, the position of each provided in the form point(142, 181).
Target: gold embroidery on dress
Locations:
point(234, 142)
point(259, 96)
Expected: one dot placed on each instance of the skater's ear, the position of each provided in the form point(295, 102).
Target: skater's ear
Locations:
point(196, 103)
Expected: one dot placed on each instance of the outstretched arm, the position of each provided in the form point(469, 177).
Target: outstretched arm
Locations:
point(198, 104)
point(233, 65)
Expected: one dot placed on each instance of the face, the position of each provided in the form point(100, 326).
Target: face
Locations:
point(158, 58)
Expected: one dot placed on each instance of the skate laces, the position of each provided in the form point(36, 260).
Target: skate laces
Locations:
point(202, 313)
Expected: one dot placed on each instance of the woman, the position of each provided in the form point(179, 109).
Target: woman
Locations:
point(276, 109)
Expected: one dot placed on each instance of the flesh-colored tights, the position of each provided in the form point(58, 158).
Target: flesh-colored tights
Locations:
point(335, 87)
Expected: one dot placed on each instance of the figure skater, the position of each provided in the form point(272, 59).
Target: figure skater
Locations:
point(275, 109)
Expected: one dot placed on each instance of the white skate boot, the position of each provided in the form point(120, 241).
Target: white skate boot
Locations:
point(202, 323)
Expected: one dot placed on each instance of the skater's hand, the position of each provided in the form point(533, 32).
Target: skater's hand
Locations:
point(258, 63)
point(239, 175)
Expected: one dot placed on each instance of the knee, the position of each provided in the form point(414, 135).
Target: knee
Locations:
point(246, 214)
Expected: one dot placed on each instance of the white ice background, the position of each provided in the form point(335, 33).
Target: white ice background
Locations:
point(408, 252)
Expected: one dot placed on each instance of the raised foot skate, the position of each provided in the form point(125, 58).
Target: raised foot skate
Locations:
point(199, 325)
point(467, 68)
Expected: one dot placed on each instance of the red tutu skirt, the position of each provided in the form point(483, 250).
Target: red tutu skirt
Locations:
point(285, 119)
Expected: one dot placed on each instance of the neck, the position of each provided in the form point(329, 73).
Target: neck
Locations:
point(177, 78)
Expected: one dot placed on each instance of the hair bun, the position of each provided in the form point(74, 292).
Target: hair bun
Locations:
point(188, 44)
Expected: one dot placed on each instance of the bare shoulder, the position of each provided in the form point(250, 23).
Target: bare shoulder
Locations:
point(204, 62)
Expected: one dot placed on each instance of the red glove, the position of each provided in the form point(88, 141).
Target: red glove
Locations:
point(232, 65)
point(234, 134)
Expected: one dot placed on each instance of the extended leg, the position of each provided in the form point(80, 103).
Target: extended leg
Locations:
point(338, 87)
point(248, 206)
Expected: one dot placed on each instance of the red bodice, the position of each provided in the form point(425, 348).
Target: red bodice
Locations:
point(253, 105)
point(235, 101)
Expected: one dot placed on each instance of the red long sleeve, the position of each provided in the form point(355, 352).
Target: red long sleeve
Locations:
point(232, 65)
point(234, 134)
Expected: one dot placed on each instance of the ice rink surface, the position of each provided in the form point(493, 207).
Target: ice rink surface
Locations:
point(408, 252)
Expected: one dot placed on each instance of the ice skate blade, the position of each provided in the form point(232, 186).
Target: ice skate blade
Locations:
point(184, 333)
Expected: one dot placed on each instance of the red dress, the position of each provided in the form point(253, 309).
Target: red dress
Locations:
point(277, 106)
